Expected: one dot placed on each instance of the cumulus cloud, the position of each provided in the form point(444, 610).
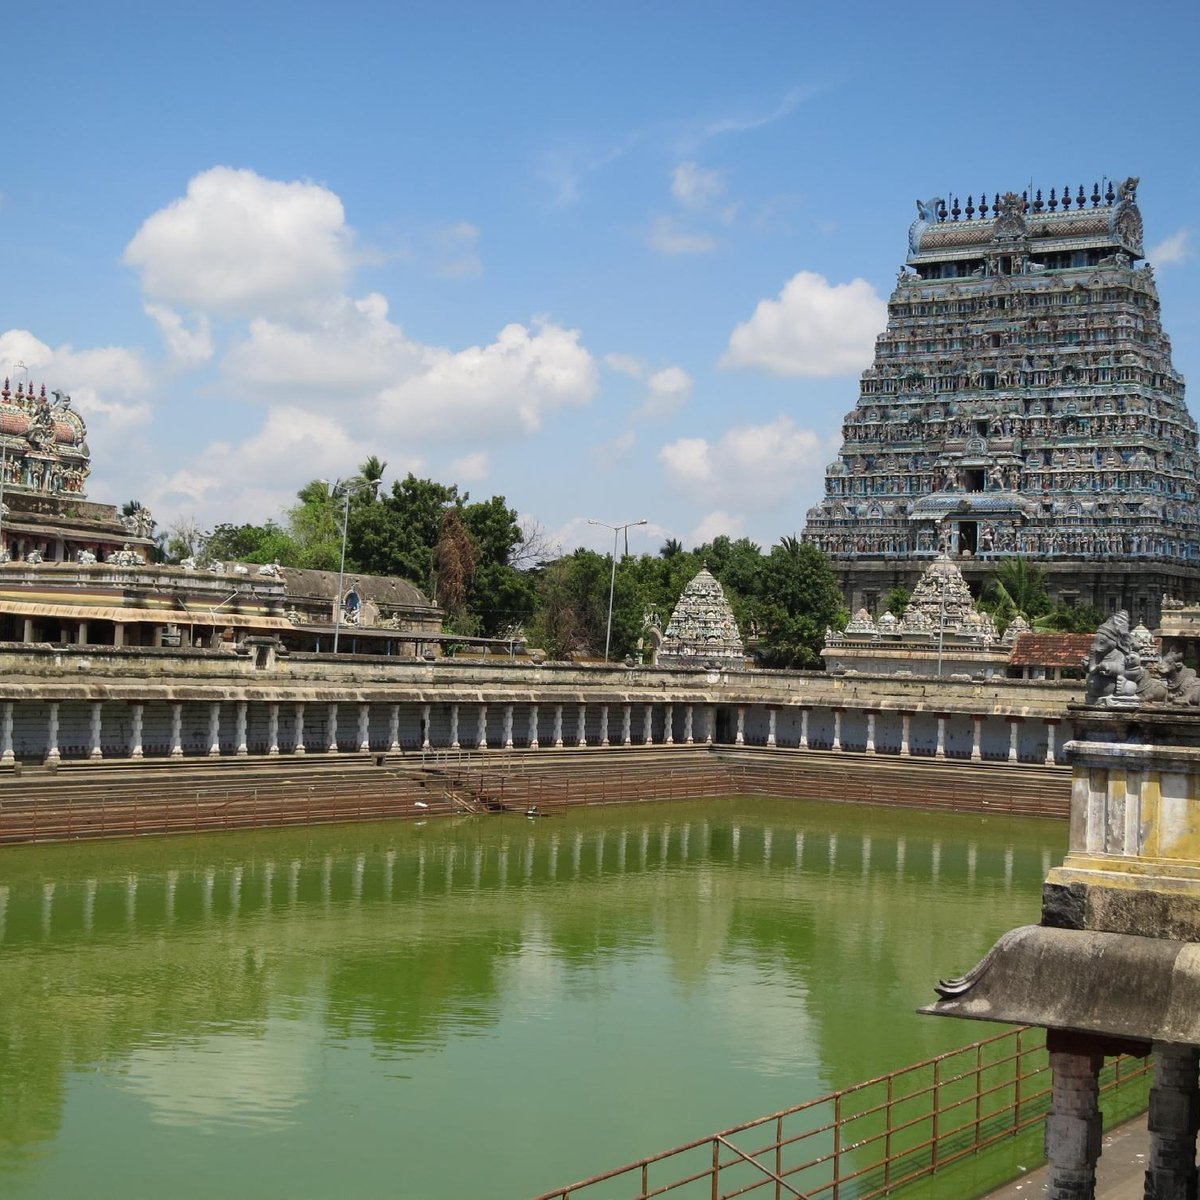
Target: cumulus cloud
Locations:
point(1171, 250)
point(695, 186)
point(668, 236)
point(668, 391)
point(187, 347)
point(239, 244)
point(814, 328)
point(717, 524)
point(753, 467)
point(627, 364)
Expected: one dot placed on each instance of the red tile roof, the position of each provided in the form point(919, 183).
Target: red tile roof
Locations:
point(1051, 649)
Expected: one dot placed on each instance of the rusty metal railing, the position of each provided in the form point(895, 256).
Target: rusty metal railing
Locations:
point(864, 1141)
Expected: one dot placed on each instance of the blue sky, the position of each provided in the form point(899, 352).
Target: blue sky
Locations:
point(609, 261)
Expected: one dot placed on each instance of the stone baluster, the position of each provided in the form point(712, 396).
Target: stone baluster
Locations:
point(604, 725)
point(533, 727)
point(298, 730)
point(176, 730)
point(740, 737)
point(669, 725)
point(648, 725)
point(136, 714)
point(558, 741)
point(454, 727)
point(977, 739)
point(1050, 726)
point(95, 748)
point(837, 730)
point(508, 727)
point(626, 724)
point(772, 714)
point(687, 725)
point(273, 729)
point(240, 727)
point(331, 711)
point(52, 752)
point(905, 734)
point(1173, 1121)
point(940, 752)
point(364, 728)
point(481, 742)
point(214, 729)
point(581, 726)
point(870, 747)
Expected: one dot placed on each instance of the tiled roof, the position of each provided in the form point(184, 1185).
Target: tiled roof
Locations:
point(1051, 649)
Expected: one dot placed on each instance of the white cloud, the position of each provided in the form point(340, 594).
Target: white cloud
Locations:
point(627, 364)
point(717, 524)
point(754, 467)
point(577, 532)
point(457, 249)
point(667, 236)
point(814, 328)
point(189, 348)
point(240, 244)
point(471, 468)
point(1171, 250)
point(695, 186)
point(608, 454)
point(669, 390)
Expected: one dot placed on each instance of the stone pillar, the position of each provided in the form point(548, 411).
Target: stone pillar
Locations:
point(118, 634)
point(837, 730)
point(648, 725)
point(1173, 1121)
point(804, 729)
point(669, 725)
point(177, 730)
point(1013, 729)
point(977, 739)
point(481, 729)
point(454, 727)
point(1074, 1127)
point(626, 723)
point(1050, 742)
point(771, 719)
point(6, 733)
point(331, 710)
point(273, 729)
point(136, 713)
point(394, 728)
point(508, 738)
point(687, 725)
point(558, 726)
point(81, 634)
point(240, 738)
point(52, 751)
point(740, 737)
point(214, 729)
point(870, 747)
point(27, 631)
point(95, 749)
point(940, 752)
point(363, 736)
point(905, 730)
point(298, 730)
point(710, 725)
point(581, 726)
point(533, 727)
point(604, 725)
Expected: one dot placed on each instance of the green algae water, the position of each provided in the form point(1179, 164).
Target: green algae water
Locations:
point(490, 1006)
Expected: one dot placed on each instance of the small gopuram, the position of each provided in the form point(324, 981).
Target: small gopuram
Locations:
point(1022, 401)
point(940, 633)
point(1114, 965)
point(702, 631)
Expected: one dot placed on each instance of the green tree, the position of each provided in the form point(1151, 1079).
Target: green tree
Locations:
point(799, 599)
point(896, 600)
point(1017, 589)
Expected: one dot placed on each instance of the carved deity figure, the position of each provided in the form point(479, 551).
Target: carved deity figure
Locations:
point(1115, 673)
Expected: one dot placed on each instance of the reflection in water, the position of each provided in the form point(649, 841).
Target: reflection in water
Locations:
point(487, 1005)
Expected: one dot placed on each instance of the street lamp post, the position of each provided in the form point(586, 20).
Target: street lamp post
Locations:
point(349, 487)
point(612, 583)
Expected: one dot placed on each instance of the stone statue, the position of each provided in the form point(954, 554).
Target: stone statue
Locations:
point(34, 557)
point(85, 557)
point(1115, 674)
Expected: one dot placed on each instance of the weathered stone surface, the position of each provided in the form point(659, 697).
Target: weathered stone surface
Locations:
point(1064, 907)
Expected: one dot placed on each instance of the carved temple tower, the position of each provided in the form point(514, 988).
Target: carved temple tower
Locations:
point(1022, 401)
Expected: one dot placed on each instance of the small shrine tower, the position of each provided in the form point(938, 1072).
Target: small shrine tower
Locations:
point(702, 631)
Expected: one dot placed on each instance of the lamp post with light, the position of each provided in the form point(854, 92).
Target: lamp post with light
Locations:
point(348, 488)
point(612, 583)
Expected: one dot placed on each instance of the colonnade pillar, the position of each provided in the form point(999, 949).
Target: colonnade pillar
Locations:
point(604, 725)
point(332, 711)
point(240, 739)
point(176, 730)
point(648, 725)
point(940, 752)
point(453, 726)
point(771, 717)
point(364, 728)
point(837, 730)
point(804, 729)
point(581, 726)
point(626, 718)
point(1013, 729)
point(136, 714)
point(977, 739)
point(533, 727)
point(214, 729)
point(905, 732)
point(298, 730)
point(1050, 742)
point(558, 727)
point(481, 729)
point(740, 737)
point(394, 728)
point(273, 729)
point(95, 750)
point(710, 725)
point(6, 733)
point(52, 751)
point(669, 725)
point(687, 725)
point(1173, 1120)
point(508, 722)
point(1074, 1126)
point(870, 747)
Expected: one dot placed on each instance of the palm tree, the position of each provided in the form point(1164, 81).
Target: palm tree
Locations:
point(1018, 589)
point(670, 548)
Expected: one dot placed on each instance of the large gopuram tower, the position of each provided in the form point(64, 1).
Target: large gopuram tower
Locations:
point(1022, 401)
